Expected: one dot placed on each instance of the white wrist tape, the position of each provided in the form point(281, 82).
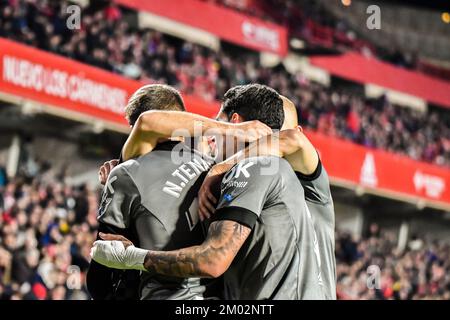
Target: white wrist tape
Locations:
point(135, 257)
point(113, 254)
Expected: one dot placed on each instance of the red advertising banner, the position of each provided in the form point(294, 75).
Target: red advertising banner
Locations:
point(42, 77)
point(64, 83)
point(397, 175)
point(356, 67)
point(225, 23)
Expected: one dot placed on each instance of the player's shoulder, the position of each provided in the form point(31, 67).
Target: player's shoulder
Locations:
point(319, 175)
point(121, 181)
point(260, 167)
point(128, 168)
point(270, 164)
point(264, 160)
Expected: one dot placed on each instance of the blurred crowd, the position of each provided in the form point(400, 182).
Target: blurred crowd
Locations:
point(46, 232)
point(109, 42)
point(47, 229)
point(419, 271)
point(312, 22)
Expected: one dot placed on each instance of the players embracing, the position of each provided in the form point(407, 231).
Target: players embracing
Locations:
point(265, 234)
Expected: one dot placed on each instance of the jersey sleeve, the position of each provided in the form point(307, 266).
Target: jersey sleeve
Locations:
point(316, 185)
point(120, 198)
point(245, 190)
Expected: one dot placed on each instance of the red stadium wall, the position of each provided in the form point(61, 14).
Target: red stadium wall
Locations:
point(64, 83)
point(225, 23)
point(48, 79)
point(386, 173)
point(356, 67)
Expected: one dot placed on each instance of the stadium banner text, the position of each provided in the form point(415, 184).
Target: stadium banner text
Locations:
point(225, 23)
point(53, 80)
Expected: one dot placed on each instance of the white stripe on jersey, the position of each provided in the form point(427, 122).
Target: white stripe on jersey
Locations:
point(316, 247)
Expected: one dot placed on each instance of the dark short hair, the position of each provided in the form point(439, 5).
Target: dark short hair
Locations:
point(255, 102)
point(232, 93)
point(153, 97)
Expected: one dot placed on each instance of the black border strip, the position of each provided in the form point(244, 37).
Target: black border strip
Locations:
point(313, 176)
point(238, 214)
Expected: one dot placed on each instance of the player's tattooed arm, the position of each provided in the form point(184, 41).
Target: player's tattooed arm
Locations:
point(210, 259)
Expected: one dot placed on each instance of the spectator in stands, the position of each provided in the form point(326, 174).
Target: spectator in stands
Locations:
point(421, 271)
point(45, 230)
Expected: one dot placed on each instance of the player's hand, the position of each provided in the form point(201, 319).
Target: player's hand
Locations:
point(116, 237)
point(209, 191)
point(118, 253)
point(105, 169)
point(249, 131)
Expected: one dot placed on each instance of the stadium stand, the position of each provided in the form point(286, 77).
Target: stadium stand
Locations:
point(47, 229)
point(335, 26)
point(418, 272)
point(110, 43)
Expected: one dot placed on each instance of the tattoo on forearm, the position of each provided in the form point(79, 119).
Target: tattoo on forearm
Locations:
point(224, 240)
